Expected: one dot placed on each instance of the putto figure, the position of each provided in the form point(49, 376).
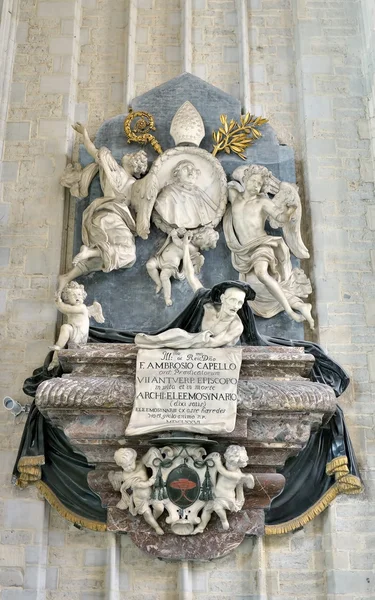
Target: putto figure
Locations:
point(134, 479)
point(229, 494)
point(108, 226)
point(76, 330)
point(167, 261)
point(264, 260)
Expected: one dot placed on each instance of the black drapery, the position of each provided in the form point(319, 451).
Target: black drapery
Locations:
point(47, 458)
point(323, 469)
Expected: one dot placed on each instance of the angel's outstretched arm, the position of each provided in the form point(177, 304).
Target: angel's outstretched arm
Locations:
point(193, 280)
point(89, 145)
point(68, 309)
point(273, 211)
point(215, 456)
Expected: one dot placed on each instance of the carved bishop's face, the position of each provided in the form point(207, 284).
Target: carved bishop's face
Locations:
point(187, 173)
point(231, 301)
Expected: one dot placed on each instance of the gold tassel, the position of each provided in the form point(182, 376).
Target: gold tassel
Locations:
point(65, 513)
point(29, 476)
point(29, 461)
point(337, 465)
point(30, 470)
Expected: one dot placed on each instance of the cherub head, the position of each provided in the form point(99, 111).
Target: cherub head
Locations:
point(205, 238)
point(73, 293)
point(235, 457)
point(135, 162)
point(185, 172)
point(256, 179)
point(126, 459)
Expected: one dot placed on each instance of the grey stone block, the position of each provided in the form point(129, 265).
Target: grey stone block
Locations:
point(17, 131)
point(36, 555)
point(4, 216)
point(11, 577)
point(3, 301)
point(96, 557)
point(35, 577)
point(56, 538)
point(33, 310)
point(349, 583)
point(20, 595)
point(16, 537)
point(52, 575)
point(23, 514)
point(4, 257)
point(8, 171)
point(39, 261)
point(124, 583)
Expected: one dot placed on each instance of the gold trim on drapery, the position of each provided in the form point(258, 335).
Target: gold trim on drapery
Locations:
point(67, 514)
point(345, 484)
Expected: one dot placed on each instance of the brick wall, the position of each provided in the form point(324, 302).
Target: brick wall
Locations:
point(308, 61)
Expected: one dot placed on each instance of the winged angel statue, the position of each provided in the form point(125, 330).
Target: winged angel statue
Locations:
point(264, 260)
point(108, 226)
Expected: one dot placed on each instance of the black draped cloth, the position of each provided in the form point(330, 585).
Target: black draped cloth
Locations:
point(46, 457)
point(323, 469)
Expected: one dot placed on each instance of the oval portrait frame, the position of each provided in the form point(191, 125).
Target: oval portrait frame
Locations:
point(210, 168)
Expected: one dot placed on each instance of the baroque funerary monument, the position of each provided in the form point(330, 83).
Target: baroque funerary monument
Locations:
point(187, 221)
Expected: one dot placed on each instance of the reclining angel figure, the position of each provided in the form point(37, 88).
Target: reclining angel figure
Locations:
point(264, 260)
point(108, 226)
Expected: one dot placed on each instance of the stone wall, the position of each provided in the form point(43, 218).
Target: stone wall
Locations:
point(368, 28)
point(308, 61)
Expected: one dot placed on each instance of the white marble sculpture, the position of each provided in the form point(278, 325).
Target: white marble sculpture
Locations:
point(71, 303)
point(134, 477)
point(228, 494)
point(182, 203)
point(221, 325)
point(186, 483)
point(167, 261)
point(108, 226)
point(264, 260)
point(187, 125)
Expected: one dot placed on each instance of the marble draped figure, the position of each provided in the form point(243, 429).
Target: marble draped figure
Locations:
point(108, 226)
point(264, 260)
